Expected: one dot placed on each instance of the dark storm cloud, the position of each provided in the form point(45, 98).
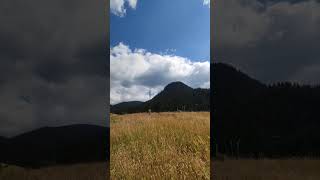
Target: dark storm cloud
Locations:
point(88, 60)
point(54, 66)
point(270, 40)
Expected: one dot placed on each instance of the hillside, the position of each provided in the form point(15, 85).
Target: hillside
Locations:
point(57, 145)
point(254, 119)
point(175, 96)
point(124, 106)
point(82, 171)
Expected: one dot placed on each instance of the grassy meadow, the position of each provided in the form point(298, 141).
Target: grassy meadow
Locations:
point(90, 171)
point(266, 169)
point(160, 145)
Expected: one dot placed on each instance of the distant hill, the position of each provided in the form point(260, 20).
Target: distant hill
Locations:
point(226, 78)
point(252, 118)
point(125, 106)
point(3, 144)
point(57, 145)
point(175, 96)
point(3, 140)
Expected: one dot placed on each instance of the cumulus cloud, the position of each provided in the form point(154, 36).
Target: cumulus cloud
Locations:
point(270, 40)
point(206, 2)
point(118, 7)
point(133, 73)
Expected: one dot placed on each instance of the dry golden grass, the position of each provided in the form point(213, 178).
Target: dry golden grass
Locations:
point(92, 171)
point(266, 169)
point(160, 146)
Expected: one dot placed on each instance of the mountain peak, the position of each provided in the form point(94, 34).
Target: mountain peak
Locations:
point(175, 95)
point(176, 85)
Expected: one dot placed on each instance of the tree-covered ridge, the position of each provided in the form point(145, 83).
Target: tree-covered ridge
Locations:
point(176, 96)
point(252, 119)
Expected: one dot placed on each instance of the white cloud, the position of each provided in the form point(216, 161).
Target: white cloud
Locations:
point(206, 2)
point(118, 6)
point(134, 72)
point(132, 3)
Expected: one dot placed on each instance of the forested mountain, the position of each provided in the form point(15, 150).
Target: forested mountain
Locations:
point(253, 119)
point(56, 145)
point(175, 96)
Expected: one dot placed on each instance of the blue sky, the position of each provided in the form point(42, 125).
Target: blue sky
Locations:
point(160, 25)
point(154, 43)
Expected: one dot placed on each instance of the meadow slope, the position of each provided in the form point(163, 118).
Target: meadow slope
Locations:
point(89, 171)
point(160, 145)
point(266, 169)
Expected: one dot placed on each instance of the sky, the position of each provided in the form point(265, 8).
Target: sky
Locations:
point(153, 43)
point(270, 40)
point(54, 67)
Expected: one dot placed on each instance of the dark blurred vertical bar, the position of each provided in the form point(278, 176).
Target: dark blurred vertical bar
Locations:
point(212, 134)
point(107, 14)
point(54, 89)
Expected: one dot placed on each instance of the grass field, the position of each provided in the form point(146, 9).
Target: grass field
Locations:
point(266, 169)
point(160, 146)
point(92, 171)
